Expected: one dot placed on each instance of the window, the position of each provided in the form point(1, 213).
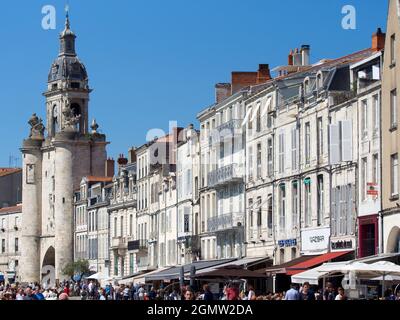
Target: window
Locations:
point(320, 137)
point(294, 148)
point(122, 226)
point(307, 202)
point(282, 207)
point(131, 263)
point(395, 175)
point(375, 168)
point(259, 212)
point(258, 120)
point(295, 203)
point(270, 158)
point(251, 213)
point(222, 148)
point(250, 163)
point(115, 226)
point(259, 161)
point(131, 225)
point(364, 178)
point(294, 253)
point(320, 199)
point(393, 48)
point(269, 216)
point(186, 222)
point(319, 81)
point(393, 108)
point(307, 143)
point(364, 118)
point(3, 245)
point(376, 115)
point(281, 153)
point(282, 255)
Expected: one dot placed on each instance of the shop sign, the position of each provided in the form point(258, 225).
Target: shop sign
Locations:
point(342, 244)
point(315, 239)
point(287, 243)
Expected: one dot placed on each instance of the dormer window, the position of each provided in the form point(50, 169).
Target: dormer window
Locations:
point(75, 85)
point(319, 81)
point(307, 86)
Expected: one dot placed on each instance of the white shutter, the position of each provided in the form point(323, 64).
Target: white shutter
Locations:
point(294, 148)
point(334, 144)
point(376, 74)
point(256, 111)
point(346, 140)
point(267, 107)
point(247, 117)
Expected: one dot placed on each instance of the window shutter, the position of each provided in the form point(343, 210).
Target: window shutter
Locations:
point(334, 144)
point(347, 141)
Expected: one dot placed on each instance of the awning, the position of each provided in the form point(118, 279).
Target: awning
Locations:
point(174, 272)
point(232, 272)
point(141, 279)
point(245, 262)
point(282, 268)
point(310, 263)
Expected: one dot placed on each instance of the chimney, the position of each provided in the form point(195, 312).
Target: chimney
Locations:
point(241, 80)
point(297, 59)
point(263, 74)
point(290, 58)
point(305, 55)
point(222, 91)
point(132, 155)
point(122, 161)
point(378, 40)
point(110, 167)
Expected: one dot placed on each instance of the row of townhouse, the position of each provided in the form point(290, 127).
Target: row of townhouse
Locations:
point(281, 168)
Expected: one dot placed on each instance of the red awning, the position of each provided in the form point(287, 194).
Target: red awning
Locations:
point(303, 266)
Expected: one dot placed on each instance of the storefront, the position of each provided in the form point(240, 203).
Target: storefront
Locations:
point(368, 236)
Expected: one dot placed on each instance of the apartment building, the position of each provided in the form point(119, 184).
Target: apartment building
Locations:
point(390, 133)
point(10, 236)
point(91, 222)
point(188, 178)
point(366, 76)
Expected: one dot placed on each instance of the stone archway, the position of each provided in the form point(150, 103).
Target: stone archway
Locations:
point(48, 274)
point(393, 241)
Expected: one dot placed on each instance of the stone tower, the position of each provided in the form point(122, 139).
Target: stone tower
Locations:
point(54, 163)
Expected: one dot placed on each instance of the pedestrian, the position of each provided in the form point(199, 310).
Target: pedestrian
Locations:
point(341, 295)
point(208, 296)
point(292, 293)
point(232, 293)
point(251, 295)
point(329, 293)
point(306, 293)
point(189, 295)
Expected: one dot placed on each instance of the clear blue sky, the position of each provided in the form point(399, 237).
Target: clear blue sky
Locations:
point(154, 61)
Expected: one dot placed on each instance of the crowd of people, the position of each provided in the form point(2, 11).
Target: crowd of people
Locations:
point(91, 290)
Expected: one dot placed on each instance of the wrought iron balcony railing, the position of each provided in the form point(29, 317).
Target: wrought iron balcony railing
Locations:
point(225, 222)
point(225, 175)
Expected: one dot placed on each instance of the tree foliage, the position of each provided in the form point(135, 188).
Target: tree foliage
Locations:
point(80, 267)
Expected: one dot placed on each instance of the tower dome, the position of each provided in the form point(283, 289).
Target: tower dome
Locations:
point(67, 66)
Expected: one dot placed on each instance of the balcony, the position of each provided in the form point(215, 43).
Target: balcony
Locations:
point(138, 245)
point(225, 175)
point(119, 243)
point(232, 125)
point(225, 222)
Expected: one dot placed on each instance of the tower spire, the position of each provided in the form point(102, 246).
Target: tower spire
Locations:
point(67, 23)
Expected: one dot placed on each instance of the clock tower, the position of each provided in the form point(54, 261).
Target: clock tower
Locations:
point(54, 162)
